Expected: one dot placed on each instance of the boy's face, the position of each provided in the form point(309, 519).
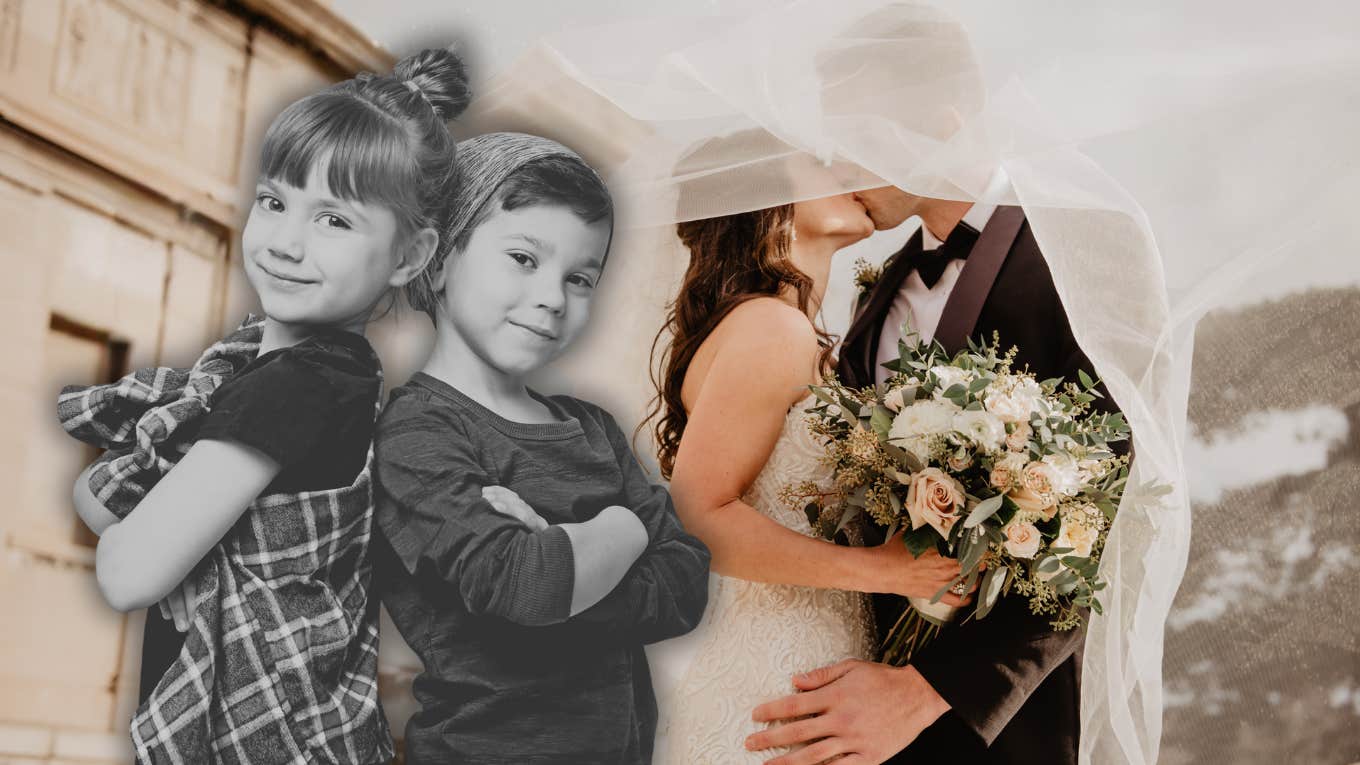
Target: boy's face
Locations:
point(519, 293)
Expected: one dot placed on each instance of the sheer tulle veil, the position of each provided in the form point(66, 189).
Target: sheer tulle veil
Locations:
point(1172, 159)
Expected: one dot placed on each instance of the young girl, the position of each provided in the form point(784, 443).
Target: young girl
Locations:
point(523, 553)
point(247, 477)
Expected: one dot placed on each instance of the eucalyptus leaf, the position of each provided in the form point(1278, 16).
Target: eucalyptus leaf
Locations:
point(881, 421)
point(1007, 511)
point(1064, 586)
point(903, 457)
point(1063, 580)
point(824, 395)
point(972, 546)
point(920, 540)
point(846, 517)
point(990, 591)
point(945, 589)
point(984, 510)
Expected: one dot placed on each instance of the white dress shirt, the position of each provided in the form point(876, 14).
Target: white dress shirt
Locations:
point(917, 307)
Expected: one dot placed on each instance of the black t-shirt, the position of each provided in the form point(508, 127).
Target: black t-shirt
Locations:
point(311, 408)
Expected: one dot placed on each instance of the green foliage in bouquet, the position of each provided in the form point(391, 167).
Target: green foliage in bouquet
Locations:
point(1013, 476)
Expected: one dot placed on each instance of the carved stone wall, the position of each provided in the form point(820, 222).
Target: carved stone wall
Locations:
point(151, 90)
point(129, 142)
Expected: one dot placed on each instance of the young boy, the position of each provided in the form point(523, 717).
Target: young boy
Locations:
point(528, 557)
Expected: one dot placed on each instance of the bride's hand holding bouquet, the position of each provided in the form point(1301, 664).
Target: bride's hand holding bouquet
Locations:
point(1013, 478)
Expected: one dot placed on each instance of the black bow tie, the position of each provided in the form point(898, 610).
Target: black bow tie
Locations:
point(930, 263)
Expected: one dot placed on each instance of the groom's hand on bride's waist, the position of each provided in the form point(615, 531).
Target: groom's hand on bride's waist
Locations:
point(863, 710)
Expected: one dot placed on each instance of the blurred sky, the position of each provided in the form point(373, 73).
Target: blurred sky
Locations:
point(492, 33)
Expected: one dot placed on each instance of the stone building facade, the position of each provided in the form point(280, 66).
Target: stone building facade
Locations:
point(129, 138)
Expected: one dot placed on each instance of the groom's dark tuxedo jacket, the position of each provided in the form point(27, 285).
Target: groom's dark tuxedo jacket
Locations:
point(1011, 680)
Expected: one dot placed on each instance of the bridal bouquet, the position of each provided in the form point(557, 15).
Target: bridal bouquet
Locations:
point(1011, 475)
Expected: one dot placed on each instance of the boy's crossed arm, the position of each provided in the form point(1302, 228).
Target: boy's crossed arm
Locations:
point(434, 512)
point(652, 596)
point(603, 548)
point(665, 592)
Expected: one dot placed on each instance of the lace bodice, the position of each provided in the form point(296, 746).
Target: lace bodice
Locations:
point(755, 637)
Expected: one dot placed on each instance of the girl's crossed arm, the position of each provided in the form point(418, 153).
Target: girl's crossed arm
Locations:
point(142, 558)
point(88, 507)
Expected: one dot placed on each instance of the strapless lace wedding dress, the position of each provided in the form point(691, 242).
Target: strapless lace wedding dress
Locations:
point(754, 637)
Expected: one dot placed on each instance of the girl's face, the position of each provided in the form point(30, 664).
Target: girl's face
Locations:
point(316, 259)
point(519, 293)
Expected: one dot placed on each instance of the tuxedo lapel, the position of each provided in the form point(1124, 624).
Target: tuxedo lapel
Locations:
point(860, 345)
point(975, 281)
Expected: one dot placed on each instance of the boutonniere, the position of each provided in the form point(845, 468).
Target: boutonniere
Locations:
point(866, 275)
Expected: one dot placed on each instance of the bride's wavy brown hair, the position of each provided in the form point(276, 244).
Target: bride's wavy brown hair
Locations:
point(733, 259)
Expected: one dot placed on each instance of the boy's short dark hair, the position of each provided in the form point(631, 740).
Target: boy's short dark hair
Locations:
point(557, 180)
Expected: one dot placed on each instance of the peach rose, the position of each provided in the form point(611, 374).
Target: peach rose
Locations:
point(1022, 539)
point(1040, 478)
point(1018, 439)
point(1078, 536)
point(1005, 473)
point(1033, 502)
point(934, 498)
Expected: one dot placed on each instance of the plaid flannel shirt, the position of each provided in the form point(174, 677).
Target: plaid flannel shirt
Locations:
point(280, 662)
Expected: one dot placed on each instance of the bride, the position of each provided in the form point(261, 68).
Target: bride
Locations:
point(730, 428)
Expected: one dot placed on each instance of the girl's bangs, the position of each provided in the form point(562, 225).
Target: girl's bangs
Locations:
point(363, 151)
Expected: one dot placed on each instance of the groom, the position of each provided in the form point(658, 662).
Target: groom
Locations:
point(1004, 689)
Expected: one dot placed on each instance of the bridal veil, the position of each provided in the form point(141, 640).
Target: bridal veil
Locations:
point(1184, 167)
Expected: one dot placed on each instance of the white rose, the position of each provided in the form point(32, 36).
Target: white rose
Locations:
point(922, 419)
point(934, 498)
point(1022, 539)
point(1076, 535)
point(899, 396)
point(948, 377)
point(1090, 469)
point(1028, 390)
point(1013, 399)
point(982, 428)
point(1066, 473)
point(917, 446)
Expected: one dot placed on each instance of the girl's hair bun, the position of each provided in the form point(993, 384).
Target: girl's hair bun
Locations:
point(440, 78)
